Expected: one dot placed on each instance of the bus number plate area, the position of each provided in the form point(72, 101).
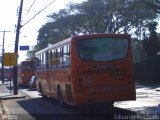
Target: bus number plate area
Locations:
point(100, 81)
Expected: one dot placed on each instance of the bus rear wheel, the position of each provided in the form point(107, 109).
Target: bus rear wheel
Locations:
point(60, 97)
point(41, 91)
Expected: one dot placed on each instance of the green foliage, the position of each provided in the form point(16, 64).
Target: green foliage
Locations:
point(151, 43)
point(139, 53)
point(153, 4)
point(31, 53)
point(96, 16)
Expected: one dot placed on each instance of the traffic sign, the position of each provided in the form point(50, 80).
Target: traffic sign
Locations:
point(26, 47)
point(10, 59)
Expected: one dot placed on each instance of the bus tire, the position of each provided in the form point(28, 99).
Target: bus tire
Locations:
point(60, 97)
point(41, 91)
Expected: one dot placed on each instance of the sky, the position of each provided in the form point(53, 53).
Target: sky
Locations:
point(29, 32)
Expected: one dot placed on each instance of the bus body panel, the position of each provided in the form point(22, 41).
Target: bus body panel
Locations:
point(62, 79)
point(113, 85)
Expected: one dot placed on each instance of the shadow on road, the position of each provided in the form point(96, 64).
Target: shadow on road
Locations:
point(49, 109)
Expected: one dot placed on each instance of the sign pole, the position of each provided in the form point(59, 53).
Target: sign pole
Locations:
point(2, 59)
point(3, 55)
point(10, 78)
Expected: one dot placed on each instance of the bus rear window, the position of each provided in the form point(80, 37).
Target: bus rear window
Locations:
point(102, 49)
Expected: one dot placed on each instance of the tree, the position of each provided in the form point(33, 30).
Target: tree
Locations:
point(139, 53)
point(153, 4)
point(31, 53)
point(96, 16)
point(151, 43)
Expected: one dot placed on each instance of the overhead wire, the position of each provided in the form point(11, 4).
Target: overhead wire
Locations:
point(44, 4)
point(30, 7)
point(38, 12)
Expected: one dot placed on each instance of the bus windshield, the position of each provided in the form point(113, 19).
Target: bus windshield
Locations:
point(102, 49)
point(28, 65)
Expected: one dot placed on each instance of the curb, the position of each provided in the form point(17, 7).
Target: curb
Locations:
point(12, 97)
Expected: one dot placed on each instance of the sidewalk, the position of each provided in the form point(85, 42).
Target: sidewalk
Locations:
point(8, 104)
point(7, 93)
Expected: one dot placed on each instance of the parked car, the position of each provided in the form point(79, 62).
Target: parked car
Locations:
point(32, 83)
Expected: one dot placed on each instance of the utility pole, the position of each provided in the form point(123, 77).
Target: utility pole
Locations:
point(3, 55)
point(15, 86)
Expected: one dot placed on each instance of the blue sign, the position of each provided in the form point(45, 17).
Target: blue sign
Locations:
point(26, 47)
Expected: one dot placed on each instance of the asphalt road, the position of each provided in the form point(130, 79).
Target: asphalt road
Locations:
point(49, 110)
point(147, 99)
point(33, 107)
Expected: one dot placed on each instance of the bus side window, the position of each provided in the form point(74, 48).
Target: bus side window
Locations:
point(38, 64)
point(65, 56)
point(54, 58)
point(61, 52)
point(69, 49)
point(50, 59)
point(42, 62)
point(61, 56)
point(46, 60)
point(58, 58)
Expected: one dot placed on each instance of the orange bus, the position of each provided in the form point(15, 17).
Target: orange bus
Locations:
point(94, 68)
point(26, 69)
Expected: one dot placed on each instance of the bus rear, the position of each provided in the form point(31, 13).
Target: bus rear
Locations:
point(25, 72)
point(102, 69)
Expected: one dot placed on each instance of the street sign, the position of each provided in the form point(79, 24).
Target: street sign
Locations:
point(26, 47)
point(10, 59)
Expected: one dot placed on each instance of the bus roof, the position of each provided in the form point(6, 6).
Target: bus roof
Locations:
point(79, 36)
point(54, 45)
